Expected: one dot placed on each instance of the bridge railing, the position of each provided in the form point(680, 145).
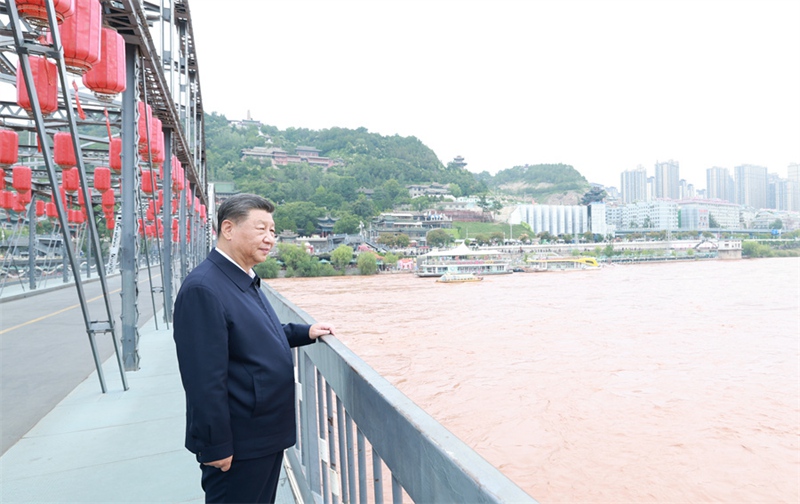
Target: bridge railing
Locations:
point(361, 439)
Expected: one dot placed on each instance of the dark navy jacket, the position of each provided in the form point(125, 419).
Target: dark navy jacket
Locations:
point(235, 364)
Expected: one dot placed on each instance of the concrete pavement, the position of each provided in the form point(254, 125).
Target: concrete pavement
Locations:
point(122, 446)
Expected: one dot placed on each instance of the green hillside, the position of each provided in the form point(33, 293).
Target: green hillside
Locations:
point(369, 161)
point(536, 181)
point(370, 175)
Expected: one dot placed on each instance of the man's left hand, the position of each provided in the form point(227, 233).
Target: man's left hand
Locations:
point(317, 330)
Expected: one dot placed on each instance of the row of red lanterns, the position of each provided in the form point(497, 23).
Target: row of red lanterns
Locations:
point(157, 228)
point(91, 50)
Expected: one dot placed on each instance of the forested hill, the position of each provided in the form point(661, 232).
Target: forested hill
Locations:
point(536, 181)
point(368, 160)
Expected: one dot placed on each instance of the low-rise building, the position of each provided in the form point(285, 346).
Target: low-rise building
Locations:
point(553, 219)
point(280, 157)
point(413, 224)
point(434, 189)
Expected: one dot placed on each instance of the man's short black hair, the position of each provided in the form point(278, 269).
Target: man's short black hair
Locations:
point(237, 207)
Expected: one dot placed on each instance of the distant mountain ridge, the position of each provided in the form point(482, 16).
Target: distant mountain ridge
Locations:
point(540, 182)
point(369, 161)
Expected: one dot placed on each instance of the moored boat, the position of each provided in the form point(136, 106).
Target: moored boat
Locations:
point(562, 264)
point(462, 259)
point(458, 277)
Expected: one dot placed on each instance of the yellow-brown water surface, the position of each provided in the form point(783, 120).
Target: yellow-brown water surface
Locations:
point(671, 382)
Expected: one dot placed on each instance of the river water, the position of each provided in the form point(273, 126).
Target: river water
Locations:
point(669, 382)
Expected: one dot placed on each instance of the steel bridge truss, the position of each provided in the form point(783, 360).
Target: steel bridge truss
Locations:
point(166, 78)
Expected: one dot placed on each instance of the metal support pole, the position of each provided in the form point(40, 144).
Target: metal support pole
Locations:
point(89, 254)
point(32, 243)
point(167, 216)
point(182, 232)
point(128, 267)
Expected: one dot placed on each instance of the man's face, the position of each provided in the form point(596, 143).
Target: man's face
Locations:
point(252, 238)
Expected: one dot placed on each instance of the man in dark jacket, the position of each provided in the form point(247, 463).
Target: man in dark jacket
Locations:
point(235, 360)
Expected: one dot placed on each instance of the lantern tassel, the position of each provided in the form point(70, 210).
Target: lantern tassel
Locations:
point(81, 113)
point(108, 124)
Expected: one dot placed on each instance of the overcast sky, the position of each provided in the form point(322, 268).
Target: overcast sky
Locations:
point(602, 85)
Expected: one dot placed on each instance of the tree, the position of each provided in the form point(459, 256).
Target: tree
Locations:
point(545, 236)
point(455, 190)
point(367, 264)
point(483, 203)
point(777, 224)
point(608, 251)
point(298, 216)
point(497, 205)
point(390, 259)
point(712, 222)
point(524, 238)
point(341, 257)
point(594, 194)
point(420, 203)
point(363, 207)
point(347, 224)
point(497, 237)
point(438, 238)
point(267, 269)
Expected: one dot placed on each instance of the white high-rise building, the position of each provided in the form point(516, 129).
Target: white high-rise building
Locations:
point(634, 185)
point(719, 184)
point(751, 186)
point(793, 188)
point(668, 180)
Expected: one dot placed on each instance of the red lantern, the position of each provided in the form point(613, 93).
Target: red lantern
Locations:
point(70, 180)
point(80, 36)
point(2, 179)
point(44, 79)
point(110, 220)
point(147, 182)
point(5, 199)
point(24, 197)
point(21, 178)
point(108, 201)
point(16, 204)
point(51, 210)
point(102, 179)
point(203, 212)
point(35, 11)
point(175, 206)
point(156, 147)
point(115, 154)
point(145, 120)
point(9, 147)
point(39, 208)
point(107, 78)
point(151, 211)
point(63, 150)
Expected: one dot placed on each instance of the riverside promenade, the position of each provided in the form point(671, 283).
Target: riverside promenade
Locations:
point(121, 446)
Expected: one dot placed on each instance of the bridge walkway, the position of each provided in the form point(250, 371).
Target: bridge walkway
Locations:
point(121, 446)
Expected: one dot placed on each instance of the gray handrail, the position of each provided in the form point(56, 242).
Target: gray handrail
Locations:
point(424, 458)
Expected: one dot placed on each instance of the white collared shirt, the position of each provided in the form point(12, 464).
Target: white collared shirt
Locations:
point(226, 256)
